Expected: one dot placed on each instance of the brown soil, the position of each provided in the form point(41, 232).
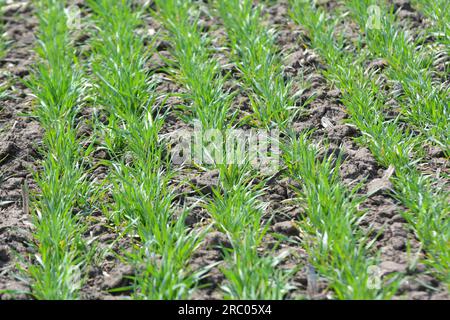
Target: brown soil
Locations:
point(19, 141)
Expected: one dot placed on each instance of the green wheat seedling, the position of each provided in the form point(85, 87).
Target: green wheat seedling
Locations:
point(2, 30)
point(257, 58)
point(142, 197)
point(194, 65)
point(428, 209)
point(439, 12)
point(61, 252)
point(237, 211)
point(246, 36)
point(3, 49)
point(337, 247)
point(424, 104)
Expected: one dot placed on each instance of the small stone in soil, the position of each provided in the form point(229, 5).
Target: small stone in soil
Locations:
point(287, 228)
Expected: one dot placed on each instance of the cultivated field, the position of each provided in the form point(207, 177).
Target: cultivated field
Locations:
point(224, 149)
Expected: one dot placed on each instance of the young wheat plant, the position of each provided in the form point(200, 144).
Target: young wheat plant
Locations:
point(337, 247)
point(256, 57)
point(424, 104)
point(234, 207)
point(439, 12)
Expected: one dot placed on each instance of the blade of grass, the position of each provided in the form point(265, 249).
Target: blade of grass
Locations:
point(424, 104)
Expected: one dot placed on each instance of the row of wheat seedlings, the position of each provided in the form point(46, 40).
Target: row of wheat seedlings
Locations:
point(3, 46)
point(424, 104)
point(391, 145)
point(336, 247)
point(234, 206)
point(252, 275)
point(142, 200)
point(194, 65)
point(255, 56)
point(57, 84)
point(439, 12)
